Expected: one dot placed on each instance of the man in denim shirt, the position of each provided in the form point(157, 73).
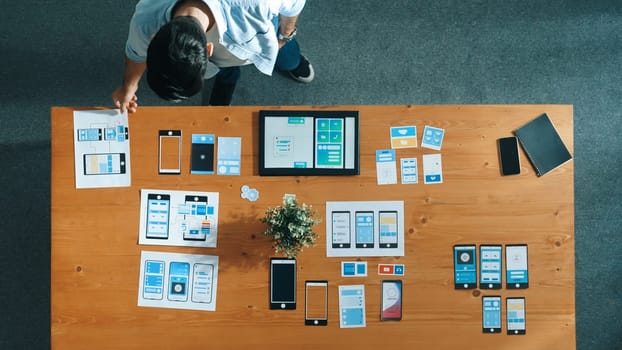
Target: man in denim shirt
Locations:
point(180, 43)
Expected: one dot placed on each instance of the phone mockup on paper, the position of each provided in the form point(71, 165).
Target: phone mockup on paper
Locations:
point(341, 229)
point(195, 226)
point(283, 283)
point(179, 275)
point(516, 266)
point(491, 314)
point(515, 316)
point(364, 229)
point(104, 164)
point(169, 160)
point(202, 283)
point(387, 224)
point(153, 280)
point(91, 134)
point(158, 208)
point(490, 266)
point(202, 154)
point(316, 303)
point(465, 267)
point(391, 309)
point(508, 155)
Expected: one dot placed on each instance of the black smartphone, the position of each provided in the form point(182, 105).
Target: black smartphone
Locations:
point(465, 267)
point(491, 314)
point(283, 283)
point(508, 155)
point(515, 316)
point(391, 309)
point(316, 303)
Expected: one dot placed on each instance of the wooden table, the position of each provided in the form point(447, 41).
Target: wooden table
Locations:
point(96, 258)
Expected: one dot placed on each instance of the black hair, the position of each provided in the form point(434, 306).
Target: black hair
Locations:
point(177, 59)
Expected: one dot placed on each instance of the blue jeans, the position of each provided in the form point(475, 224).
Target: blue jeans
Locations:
point(226, 79)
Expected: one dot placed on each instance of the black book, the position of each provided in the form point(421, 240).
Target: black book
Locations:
point(544, 148)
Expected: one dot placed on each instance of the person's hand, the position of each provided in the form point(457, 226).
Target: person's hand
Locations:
point(125, 99)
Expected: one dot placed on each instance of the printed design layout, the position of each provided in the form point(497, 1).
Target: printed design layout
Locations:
point(178, 218)
point(178, 281)
point(352, 306)
point(365, 228)
point(101, 149)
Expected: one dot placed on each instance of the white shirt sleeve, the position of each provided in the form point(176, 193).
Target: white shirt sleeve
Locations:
point(291, 8)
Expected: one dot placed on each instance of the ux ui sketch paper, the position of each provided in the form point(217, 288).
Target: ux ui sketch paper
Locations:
point(101, 149)
point(352, 306)
point(178, 281)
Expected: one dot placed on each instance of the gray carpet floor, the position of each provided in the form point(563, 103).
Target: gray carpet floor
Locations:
point(68, 53)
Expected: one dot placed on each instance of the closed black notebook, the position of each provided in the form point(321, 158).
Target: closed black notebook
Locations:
point(544, 148)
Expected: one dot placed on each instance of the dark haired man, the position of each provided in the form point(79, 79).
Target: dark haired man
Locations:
point(180, 43)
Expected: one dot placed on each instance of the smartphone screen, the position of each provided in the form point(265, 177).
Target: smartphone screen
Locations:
point(490, 266)
point(153, 282)
point(341, 229)
point(508, 156)
point(91, 134)
point(170, 152)
point(491, 314)
point(516, 267)
point(202, 283)
point(104, 164)
point(202, 154)
point(515, 316)
point(364, 229)
point(282, 283)
point(316, 303)
point(465, 267)
point(158, 208)
point(387, 224)
point(179, 274)
point(391, 309)
point(195, 225)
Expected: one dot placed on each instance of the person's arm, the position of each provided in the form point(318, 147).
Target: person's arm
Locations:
point(124, 97)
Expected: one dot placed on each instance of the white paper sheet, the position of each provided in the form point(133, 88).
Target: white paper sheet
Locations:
point(178, 281)
point(178, 218)
point(352, 306)
point(101, 149)
point(374, 228)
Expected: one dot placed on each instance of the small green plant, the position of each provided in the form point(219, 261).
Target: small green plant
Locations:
point(289, 226)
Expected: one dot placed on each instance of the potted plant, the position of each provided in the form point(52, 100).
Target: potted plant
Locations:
point(290, 225)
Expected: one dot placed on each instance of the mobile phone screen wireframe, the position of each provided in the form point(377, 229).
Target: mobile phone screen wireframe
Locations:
point(316, 303)
point(169, 152)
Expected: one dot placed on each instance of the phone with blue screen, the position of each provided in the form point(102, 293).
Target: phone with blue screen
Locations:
point(179, 274)
point(490, 266)
point(364, 229)
point(465, 267)
point(491, 314)
point(158, 208)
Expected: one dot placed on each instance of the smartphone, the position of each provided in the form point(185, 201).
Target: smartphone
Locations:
point(153, 280)
point(465, 267)
point(491, 314)
point(316, 303)
point(508, 155)
point(195, 225)
point(364, 229)
point(341, 229)
point(202, 283)
point(202, 154)
point(516, 266)
point(90, 134)
point(169, 160)
point(387, 225)
point(158, 209)
point(179, 274)
point(391, 309)
point(282, 283)
point(490, 266)
point(515, 316)
point(104, 164)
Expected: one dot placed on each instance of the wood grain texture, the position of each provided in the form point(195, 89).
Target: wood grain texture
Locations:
point(95, 255)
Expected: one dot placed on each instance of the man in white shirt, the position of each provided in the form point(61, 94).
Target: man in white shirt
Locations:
point(181, 43)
